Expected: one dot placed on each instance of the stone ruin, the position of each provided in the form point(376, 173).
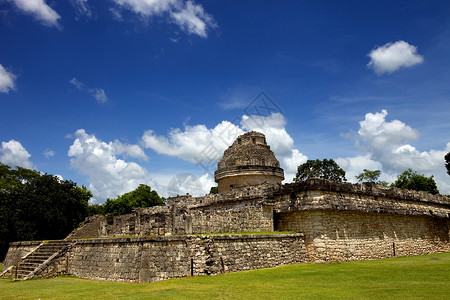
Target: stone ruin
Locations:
point(248, 161)
point(316, 220)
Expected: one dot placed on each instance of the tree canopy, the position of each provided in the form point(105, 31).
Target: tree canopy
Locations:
point(410, 180)
point(36, 206)
point(142, 196)
point(327, 169)
point(368, 175)
point(214, 190)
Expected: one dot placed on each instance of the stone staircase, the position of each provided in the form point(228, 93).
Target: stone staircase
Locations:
point(90, 229)
point(38, 259)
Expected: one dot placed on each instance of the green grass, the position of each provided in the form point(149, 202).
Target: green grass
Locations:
point(422, 277)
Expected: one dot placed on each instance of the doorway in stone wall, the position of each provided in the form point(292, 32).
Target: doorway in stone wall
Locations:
point(276, 219)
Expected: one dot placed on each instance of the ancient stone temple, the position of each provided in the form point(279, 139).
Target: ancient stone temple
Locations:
point(248, 161)
point(321, 220)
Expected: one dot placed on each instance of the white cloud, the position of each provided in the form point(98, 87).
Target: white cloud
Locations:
point(6, 80)
point(14, 154)
point(49, 153)
point(382, 138)
point(40, 10)
point(188, 15)
point(388, 147)
point(193, 19)
point(393, 56)
point(82, 8)
point(76, 83)
point(290, 164)
point(354, 166)
point(196, 143)
point(129, 150)
point(147, 7)
point(100, 95)
point(108, 174)
point(201, 144)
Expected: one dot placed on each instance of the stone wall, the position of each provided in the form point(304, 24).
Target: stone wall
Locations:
point(241, 210)
point(158, 258)
point(248, 177)
point(347, 236)
point(314, 194)
point(232, 253)
point(17, 250)
point(247, 217)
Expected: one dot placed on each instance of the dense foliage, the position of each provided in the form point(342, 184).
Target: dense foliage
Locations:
point(327, 169)
point(214, 190)
point(447, 162)
point(410, 180)
point(142, 196)
point(36, 207)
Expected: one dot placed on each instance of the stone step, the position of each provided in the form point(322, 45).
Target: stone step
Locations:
point(35, 260)
point(41, 254)
point(29, 265)
point(47, 254)
point(38, 257)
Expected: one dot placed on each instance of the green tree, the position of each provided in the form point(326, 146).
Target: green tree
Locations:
point(410, 180)
point(327, 169)
point(447, 162)
point(96, 209)
point(142, 196)
point(35, 206)
point(383, 183)
point(214, 190)
point(368, 175)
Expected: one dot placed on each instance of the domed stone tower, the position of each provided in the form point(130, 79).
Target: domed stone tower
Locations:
point(248, 161)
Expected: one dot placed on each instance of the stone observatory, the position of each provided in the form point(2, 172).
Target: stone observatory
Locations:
point(253, 222)
point(248, 161)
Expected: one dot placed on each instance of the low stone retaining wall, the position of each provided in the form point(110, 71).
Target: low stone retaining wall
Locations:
point(149, 259)
point(17, 250)
point(348, 236)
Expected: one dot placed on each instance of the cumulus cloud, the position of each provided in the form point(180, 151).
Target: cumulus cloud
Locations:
point(188, 15)
point(196, 143)
point(108, 174)
point(393, 56)
point(98, 93)
point(199, 144)
point(39, 10)
point(128, 150)
point(388, 147)
point(7, 80)
point(14, 154)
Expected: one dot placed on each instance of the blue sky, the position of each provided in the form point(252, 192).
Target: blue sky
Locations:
point(114, 93)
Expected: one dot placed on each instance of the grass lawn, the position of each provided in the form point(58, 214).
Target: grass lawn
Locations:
point(421, 277)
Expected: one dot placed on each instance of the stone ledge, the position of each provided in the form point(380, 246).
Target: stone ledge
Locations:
point(254, 236)
point(366, 188)
point(25, 243)
point(185, 237)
